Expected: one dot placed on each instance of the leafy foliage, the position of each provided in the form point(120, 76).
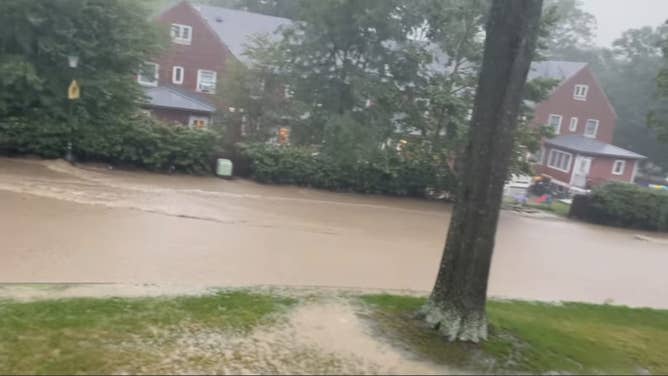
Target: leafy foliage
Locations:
point(413, 172)
point(658, 117)
point(570, 28)
point(254, 97)
point(361, 74)
point(630, 82)
point(277, 8)
point(138, 140)
point(624, 205)
point(112, 39)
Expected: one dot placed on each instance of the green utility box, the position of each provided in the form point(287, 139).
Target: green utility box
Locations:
point(224, 168)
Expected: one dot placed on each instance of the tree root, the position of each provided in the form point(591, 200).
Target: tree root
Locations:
point(453, 324)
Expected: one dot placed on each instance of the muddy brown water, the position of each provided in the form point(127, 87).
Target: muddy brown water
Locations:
point(60, 223)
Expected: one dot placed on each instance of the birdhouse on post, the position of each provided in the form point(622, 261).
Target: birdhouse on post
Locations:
point(73, 91)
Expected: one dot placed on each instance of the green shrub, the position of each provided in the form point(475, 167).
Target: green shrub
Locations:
point(46, 140)
point(140, 141)
point(624, 205)
point(385, 172)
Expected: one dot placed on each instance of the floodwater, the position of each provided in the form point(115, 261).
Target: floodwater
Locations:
point(62, 224)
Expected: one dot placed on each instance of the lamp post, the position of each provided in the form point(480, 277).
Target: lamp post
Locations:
point(72, 95)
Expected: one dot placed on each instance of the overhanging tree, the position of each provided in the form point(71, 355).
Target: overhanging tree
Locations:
point(111, 37)
point(658, 117)
point(456, 306)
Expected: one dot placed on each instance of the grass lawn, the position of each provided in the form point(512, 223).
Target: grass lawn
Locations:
point(537, 337)
point(202, 334)
point(86, 335)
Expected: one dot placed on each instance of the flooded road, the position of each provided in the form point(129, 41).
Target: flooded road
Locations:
point(59, 223)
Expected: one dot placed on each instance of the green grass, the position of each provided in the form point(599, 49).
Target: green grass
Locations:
point(87, 335)
point(537, 337)
point(557, 207)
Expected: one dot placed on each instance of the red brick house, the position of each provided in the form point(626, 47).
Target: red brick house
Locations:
point(580, 155)
point(181, 84)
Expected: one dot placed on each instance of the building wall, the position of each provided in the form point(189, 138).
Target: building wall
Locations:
point(596, 106)
point(205, 51)
point(601, 170)
point(564, 177)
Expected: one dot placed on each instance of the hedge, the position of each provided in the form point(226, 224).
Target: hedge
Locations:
point(140, 141)
point(623, 205)
point(387, 172)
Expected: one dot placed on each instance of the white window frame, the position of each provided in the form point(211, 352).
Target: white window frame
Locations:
point(618, 162)
point(174, 70)
point(557, 130)
point(595, 129)
point(192, 119)
point(177, 37)
point(558, 164)
point(580, 92)
point(573, 125)
point(157, 75)
point(199, 81)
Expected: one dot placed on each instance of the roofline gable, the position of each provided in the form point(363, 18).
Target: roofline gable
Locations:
point(598, 83)
point(194, 10)
point(605, 95)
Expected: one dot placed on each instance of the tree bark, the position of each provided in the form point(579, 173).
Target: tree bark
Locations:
point(456, 306)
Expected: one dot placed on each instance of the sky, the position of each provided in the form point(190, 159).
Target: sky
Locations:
point(615, 16)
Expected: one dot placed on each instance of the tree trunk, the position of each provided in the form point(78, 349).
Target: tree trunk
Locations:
point(456, 306)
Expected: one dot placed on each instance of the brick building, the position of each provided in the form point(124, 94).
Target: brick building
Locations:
point(583, 121)
point(181, 84)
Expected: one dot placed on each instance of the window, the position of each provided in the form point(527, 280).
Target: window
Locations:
point(148, 74)
point(580, 92)
point(181, 34)
point(573, 126)
point(618, 167)
point(555, 123)
point(198, 122)
point(177, 75)
point(559, 160)
point(591, 128)
point(206, 81)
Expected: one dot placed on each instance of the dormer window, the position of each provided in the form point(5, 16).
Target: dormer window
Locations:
point(580, 92)
point(181, 34)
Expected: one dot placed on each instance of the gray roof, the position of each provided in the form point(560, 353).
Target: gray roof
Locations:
point(590, 146)
point(235, 27)
point(169, 97)
point(558, 70)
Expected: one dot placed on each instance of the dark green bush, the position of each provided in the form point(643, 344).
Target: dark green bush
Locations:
point(38, 138)
point(624, 205)
point(410, 173)
point(140, 141)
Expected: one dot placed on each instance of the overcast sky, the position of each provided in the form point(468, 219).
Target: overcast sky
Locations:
point(615, 16)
